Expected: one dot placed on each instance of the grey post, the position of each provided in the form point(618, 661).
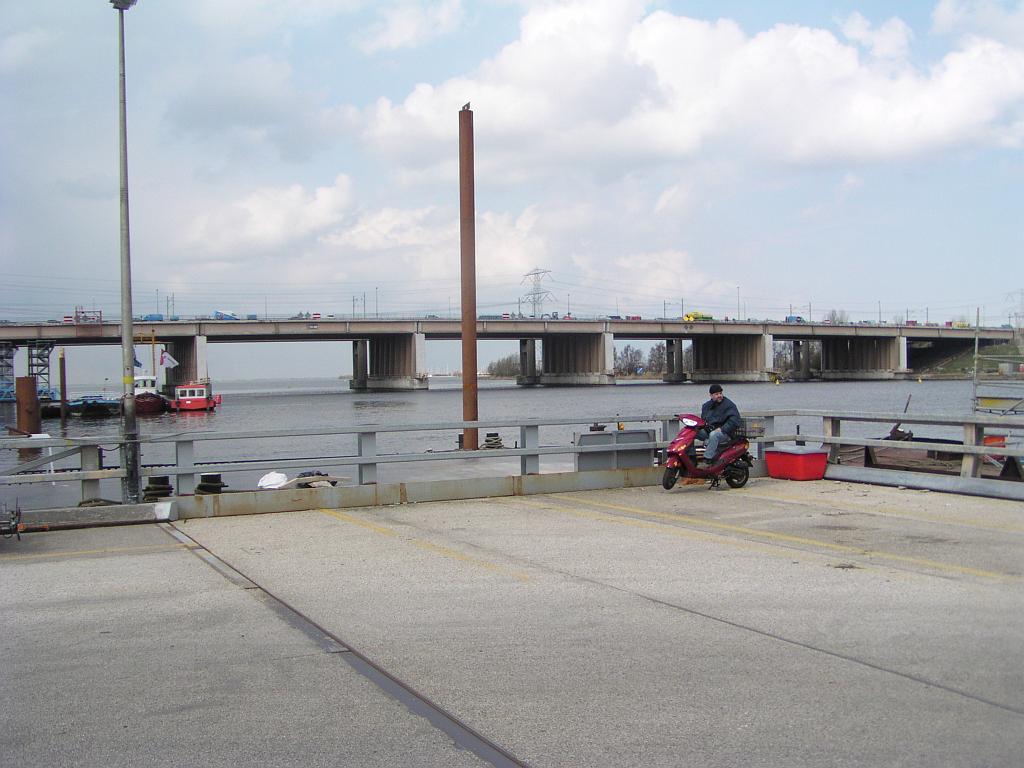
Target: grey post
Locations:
point(970, 464)
point(830, 428)
point(185, 458)
point(367, 449)
point(129, 425)
point(90, 461)
point(529, 437)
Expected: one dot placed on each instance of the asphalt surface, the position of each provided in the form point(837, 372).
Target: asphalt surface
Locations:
point(783, 624)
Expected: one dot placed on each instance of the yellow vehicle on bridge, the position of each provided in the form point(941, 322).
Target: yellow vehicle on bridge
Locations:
point(691, 317)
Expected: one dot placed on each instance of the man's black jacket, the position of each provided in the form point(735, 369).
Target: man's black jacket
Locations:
point(724, 414)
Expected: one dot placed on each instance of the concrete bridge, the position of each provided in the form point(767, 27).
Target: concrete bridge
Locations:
point(391, 354)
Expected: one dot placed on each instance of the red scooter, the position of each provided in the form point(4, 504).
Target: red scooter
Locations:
point(733, 463)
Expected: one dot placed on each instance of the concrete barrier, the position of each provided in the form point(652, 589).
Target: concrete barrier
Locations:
point(109, 514)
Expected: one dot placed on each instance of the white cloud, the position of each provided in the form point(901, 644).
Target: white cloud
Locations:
point(19, 50)
point(668, 272)
point(424, 243)
point(252, 104)
point(408, 24)
point(676, 198)
point(638, 89)
point(983, 17)
point(390, 229)
point(889, 41)
point(849, 184)
point(269, 218)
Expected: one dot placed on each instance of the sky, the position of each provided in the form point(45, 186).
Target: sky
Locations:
point(646, 158)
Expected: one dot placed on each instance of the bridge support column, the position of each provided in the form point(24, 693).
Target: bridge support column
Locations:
point(864, 358)
point(192, 365)
point(767, 356)
point(398, 362)
point(527, 363)
point(731, 358)
point(579, 359)
point(801, 359)
point(674, 373)
point(360, 364)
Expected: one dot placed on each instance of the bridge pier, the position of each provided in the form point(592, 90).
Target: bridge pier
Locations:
point(578, 359)
point(190, 352)
point(674, 372)
point(801, 359)
point(360, 364)
point(528, 375)
point(864, 358)
point(733, 358)
point(396, 363)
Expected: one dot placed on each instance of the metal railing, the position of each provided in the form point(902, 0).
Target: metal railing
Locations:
point(87, 452)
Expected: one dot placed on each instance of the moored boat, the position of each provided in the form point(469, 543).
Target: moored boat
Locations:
point(95, 405)
point(194, 396)
point(147, 399)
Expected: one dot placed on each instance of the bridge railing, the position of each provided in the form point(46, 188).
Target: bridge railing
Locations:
point(80, 460)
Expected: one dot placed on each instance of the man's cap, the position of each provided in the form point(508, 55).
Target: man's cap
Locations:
point(714, 388)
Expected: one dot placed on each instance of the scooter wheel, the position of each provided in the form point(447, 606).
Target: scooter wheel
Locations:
point(737, 474)
point(668, 480)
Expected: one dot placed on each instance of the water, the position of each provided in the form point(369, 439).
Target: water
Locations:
point(299, 404)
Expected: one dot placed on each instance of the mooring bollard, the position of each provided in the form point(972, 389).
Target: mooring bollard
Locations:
point(157, 487)
point(210, 483)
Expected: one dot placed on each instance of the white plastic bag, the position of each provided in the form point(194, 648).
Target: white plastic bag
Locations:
point(272, 480)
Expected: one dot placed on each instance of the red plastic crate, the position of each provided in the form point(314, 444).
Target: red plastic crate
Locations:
point(797, 463)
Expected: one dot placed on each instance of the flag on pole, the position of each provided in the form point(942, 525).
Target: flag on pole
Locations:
point(136, 361)
point(166, 361)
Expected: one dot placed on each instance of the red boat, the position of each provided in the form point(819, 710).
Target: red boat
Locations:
point(194, 396)
point(147, 399)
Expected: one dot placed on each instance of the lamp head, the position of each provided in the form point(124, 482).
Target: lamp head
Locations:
point(123, 5)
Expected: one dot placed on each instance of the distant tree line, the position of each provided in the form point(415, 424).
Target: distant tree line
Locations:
point(630, 361)
point(506, 367)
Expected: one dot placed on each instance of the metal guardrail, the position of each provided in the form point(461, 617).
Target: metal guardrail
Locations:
point(186, 469)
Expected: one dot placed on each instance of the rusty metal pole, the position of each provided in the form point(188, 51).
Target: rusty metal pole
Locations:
point(467, 236)
point(27, 395)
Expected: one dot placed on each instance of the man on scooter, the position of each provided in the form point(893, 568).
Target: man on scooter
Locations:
point(723, 419)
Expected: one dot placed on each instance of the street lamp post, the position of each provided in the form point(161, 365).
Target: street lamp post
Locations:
point(129, 425)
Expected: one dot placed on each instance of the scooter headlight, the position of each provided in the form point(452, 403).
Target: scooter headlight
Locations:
point(689, 423)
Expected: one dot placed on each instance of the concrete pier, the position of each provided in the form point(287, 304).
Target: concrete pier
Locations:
point(528, 375)
point(190, 352)
point(771, 625)
point(675, 373)
point(864, 358)
point(733, 358)
point(578, 360)
point(389, 363)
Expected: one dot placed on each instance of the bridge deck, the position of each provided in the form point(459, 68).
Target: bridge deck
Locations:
point(781, 624)
point(438, 329)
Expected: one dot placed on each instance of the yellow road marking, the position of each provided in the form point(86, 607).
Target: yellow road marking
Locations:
point(106, 551)
point(885, 509)
point(360, 522)
point(789, 539)
point(448, 552)
point(683, 533)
